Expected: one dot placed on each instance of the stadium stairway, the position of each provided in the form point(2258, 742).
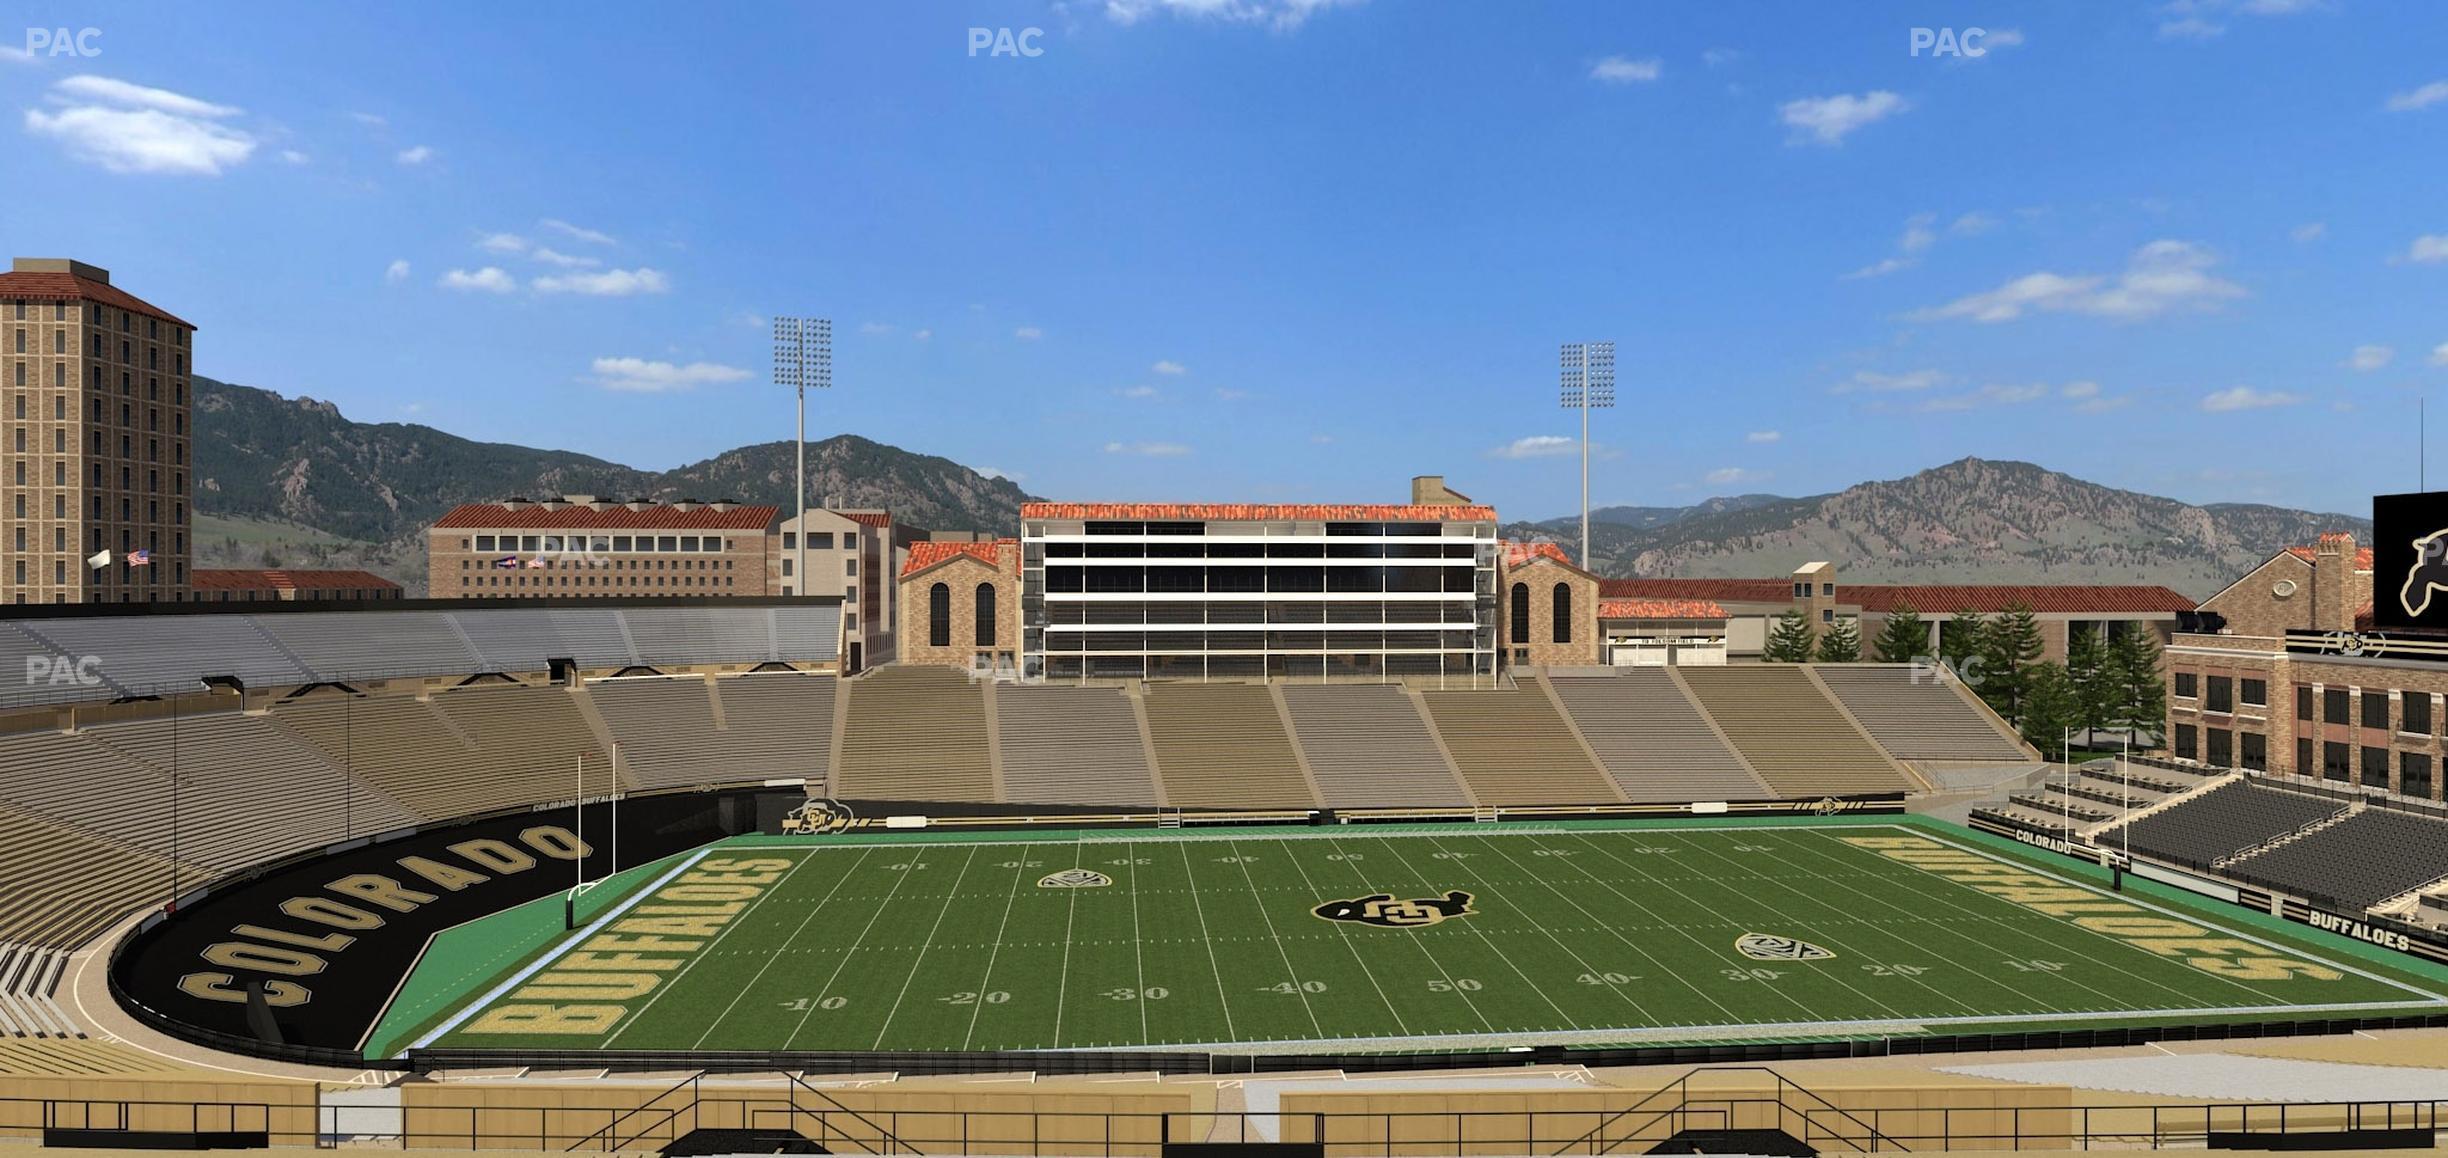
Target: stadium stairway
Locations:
point(914, 733)
point(1064, 744)
point(1653, 740)
point(790, 717)
point(1792, 734)
point(1370, 747)
point(401, 745)
point(1514, 748)
point(1225, 745)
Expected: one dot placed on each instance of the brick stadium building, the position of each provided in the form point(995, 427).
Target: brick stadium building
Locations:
point(240, 585)
point(582, 546)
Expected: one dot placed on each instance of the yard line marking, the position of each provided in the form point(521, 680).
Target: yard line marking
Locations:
point(1062, 982)
point(826, 990)
point(1138, 949)
point(1955, 999)
point(1677, 927)
point(1578, 959)
point(1215, 970)
point(1399, 1024)
point(631, 1021)
point(776, 955)
point(907, 981)
point(1289, 972)
point(1490, 942)
point(1018, 871)
point(1420, 943)
point(542, 963)
point(1816, 849)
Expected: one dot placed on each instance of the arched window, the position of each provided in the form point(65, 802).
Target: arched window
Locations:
point(1563, 613)
point(985, 615)
point(939, 616)
point(1521, 613)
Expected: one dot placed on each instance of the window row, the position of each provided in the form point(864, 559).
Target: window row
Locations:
point(2370, 709)
point(1237, 580)
point(683, 544)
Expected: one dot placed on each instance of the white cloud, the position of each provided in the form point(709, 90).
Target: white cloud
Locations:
point(2309, 232)
point(1537, 446)
point(396, 272)
point(1990, 395)
point(2368, 358)
point(922, 335)
point(1228, 394)
point(1623, 70)
point(1138, 392)
point(9, 54)
point(371, 120)
point(1170, 367)
point(2419, 98)
point(1028, 333)
point(490, 279)
point(640, 376)
point(2246, 398)
point(129, 128)
point(1972, 224)
point(1765, 436)
point(577, 232)
point(610, 283)
point(2003, 38)
point(1920, 232)
point(1729, 475)
point(1279, 15)
point(564, 260)
point(1716, 57)
point(2160, 277)
point(2439, 354)
point(1829, 120)
point(416, 154)
point(1148, 449)
point(502, 243)
point(2190, 28)
point(1880, 268)
point(2428, 249)
point(877, 329)
point(1875, 382)
point(294, 157)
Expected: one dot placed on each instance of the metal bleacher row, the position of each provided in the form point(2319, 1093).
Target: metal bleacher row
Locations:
point(107, 812)
point(2349, 854)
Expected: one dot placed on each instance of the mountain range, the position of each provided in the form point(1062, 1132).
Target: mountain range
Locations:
point(292, 482)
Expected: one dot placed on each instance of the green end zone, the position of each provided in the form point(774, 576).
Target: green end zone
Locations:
point(1364, 938)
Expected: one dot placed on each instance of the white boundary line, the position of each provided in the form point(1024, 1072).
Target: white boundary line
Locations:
point(541, 963)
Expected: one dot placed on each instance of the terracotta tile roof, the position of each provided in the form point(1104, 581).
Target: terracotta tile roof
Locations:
point(1517, 553)
point(283, 579)
point(2363, 556)
point(479, 516)
point(868, 518)
point(68, 287)
point(1718, 590)
point(1256, 512)
point(1660, 609)
point(2040, 597)
point(927, 553)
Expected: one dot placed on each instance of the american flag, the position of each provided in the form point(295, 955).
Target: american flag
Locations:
point(140, 558)
point(506, 561)
point(538, 561)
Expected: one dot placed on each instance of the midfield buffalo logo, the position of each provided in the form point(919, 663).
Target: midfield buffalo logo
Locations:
point(1074, 879)
point(1383, 911)
point(1769, 947)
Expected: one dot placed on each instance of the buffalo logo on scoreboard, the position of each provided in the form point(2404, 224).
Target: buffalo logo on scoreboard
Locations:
point(2410, 560)
point(1383, 911)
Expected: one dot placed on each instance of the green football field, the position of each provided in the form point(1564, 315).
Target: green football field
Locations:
point(1467, 936)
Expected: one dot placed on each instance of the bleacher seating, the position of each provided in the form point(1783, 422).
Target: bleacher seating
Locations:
point(1224, 746)
point(336, 644)
point(2356, 863)
point(1789, 732)
point(249, 791)
point(1072, 745)
point(1369, 747)
point(60, 886)
point(2223, 821)
point(1513, 748)
point(704, 635)
point(915, 733)
point(788, 717)
point(528, 639)
point(1652, 740)
point(401, 746)
point(1918, 719)
point(665, 728)
point(141, 653)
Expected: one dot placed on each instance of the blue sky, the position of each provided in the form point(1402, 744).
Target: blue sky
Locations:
point(1296, 249)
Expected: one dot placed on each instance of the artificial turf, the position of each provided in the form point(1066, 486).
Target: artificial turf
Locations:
point(1571, 935)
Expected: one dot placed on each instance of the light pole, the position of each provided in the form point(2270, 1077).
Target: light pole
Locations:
point(803, 357)
point(1588, 383)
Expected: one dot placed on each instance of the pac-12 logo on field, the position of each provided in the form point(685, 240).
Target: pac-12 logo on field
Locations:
point(1769, 947)
point(1074, 879)
point(1383, 911)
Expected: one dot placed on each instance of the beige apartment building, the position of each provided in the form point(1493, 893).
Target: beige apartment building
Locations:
point(579, 546)
point(853, 553)
point(94, 381)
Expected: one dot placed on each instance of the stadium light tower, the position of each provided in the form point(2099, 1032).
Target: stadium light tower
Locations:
point(1589, 383)
point(803, 357)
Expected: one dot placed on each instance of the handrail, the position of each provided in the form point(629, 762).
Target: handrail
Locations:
point(800, 1082)
point(689, 1082)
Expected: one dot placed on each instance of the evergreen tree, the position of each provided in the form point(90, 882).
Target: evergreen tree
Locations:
point(2009, 646)
point(2099, 687)
point(1959, 640)
point(1903, 638)
point(2133, 657)
point(2049, 708)
point(1841, 642)
point(1790, 640)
